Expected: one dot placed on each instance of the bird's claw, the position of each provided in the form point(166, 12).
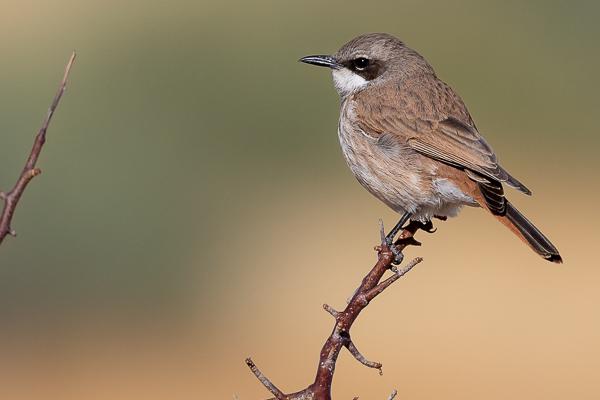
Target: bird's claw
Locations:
point(428, 227)
point(389, 241)
point(403, 241)
point(398, 256)
point(409, 241)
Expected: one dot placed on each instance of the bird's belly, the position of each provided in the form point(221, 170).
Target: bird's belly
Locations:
point(401, 178)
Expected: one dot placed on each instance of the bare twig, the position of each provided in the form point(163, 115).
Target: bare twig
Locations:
point(12, 197)
point(362, 359)
point(334, 313)
point(398, 273)
point(370, 287)
point(264, 380)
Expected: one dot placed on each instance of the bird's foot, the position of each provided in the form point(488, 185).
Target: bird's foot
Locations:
point(405, 239)
point(427, 227)
point(388, 241)
point(398, 256)
point(413, 227)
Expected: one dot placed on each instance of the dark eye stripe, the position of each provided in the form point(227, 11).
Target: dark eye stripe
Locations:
point(370, 71)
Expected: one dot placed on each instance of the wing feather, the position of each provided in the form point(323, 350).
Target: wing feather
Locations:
point(430, 117)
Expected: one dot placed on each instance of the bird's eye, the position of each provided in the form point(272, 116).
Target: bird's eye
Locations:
point(361, 63)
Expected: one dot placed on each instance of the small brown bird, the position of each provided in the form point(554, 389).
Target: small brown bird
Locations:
point(410, 140)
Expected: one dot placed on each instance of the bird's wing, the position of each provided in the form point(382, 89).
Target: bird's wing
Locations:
point(433, 121)
point(461, 146)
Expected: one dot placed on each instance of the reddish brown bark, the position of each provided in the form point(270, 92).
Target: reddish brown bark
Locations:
point(371, 286)
point(12, 197)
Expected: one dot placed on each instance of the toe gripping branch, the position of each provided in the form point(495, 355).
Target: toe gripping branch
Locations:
point(406, 238)
point(371, 286)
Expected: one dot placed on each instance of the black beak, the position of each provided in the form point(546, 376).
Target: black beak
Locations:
point(321, 61)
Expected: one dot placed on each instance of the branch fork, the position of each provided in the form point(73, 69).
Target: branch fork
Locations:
point(371, 286)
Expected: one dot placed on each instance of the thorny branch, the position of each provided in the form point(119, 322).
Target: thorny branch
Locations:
point(370, 287)
point(30, 171)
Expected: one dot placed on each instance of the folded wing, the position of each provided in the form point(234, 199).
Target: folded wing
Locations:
point(461, 146)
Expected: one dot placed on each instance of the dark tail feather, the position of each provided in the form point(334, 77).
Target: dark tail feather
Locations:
point(531, 235)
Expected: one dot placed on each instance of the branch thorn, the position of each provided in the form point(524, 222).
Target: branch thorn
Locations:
point(334, 313)
point(362, 359)
point(264, 380)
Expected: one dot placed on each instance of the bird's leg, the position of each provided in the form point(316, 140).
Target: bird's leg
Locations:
point(389, 239)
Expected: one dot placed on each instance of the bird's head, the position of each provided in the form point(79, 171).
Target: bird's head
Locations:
point(369, 59)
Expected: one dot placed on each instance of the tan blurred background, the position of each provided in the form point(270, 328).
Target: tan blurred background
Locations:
point(195, 209)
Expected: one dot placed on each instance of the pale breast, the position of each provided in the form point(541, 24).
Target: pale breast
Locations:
point(390, 170)
point(394, 173)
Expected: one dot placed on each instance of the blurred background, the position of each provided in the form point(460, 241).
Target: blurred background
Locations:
point(194, 207)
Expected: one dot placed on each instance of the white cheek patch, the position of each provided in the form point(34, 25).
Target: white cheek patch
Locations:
point(346, 81)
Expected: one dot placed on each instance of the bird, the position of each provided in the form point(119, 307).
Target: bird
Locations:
point(409, 139)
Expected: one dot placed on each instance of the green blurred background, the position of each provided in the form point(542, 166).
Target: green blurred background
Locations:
point(194, 207)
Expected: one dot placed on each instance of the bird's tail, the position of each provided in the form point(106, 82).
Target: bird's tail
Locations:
point(524, 229)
